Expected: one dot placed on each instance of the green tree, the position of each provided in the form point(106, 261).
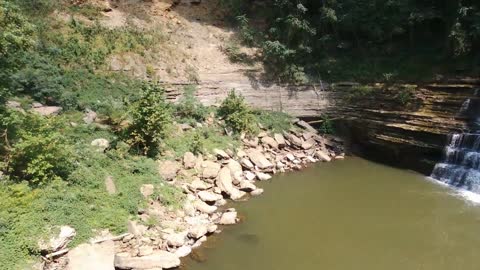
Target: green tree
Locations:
point(152, 116)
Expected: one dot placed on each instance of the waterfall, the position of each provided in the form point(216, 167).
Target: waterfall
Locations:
point(461, 163)
point(460, 166)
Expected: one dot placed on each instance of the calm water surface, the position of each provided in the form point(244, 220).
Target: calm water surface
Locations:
point(351, 214)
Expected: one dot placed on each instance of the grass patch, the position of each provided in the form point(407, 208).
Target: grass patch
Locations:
point(201, 140)
point(274, 121)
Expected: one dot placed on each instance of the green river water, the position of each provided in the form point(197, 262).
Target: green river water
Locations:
point(346, 215)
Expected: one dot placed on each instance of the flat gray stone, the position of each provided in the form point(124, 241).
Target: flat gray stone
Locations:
point(92, 256)
point(159, 259)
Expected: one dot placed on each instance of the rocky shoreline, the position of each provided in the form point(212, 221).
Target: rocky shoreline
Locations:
point(161, 236)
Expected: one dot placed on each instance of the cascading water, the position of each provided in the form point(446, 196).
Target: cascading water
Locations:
point(460, 166)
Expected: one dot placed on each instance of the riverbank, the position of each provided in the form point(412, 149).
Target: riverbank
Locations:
point(158, 236)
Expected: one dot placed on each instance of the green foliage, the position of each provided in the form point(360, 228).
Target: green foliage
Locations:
point(275, 121)
point(235, 8)
point(40, 78)
point(199, 141)
point(90, 45)
point(236, 113)
point(189, 109)
point(360, 91)
point(405, 95)
point(197, 144)
point(38, 7)
point(247, 34)
point(17, 32)
point(81, 202)
point(233, 51)
point(327, 125)
point(40, 153)
point(151, 117)
point(364, 39)
point(169, 196)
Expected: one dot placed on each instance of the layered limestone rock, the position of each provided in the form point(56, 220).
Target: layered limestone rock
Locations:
point(412, 134)
point(389, 123)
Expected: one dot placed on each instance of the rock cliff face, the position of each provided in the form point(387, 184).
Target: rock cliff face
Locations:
point(411, 135)
point(403, 125)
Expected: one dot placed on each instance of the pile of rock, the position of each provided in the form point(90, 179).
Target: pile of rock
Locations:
point(208, 182)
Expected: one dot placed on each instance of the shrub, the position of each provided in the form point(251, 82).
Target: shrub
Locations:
point(169, 195)
point(40, 77)
point(189, 108)
point(327, 125)
point(236, 113)
point(40, 153)
point(405, 95)
point(247, 34)
point(360, 91)
point(17, 32)
point(199, 141)
point(151, 117)
point(235, 55)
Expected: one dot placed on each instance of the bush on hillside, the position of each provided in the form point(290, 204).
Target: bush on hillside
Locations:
point(17, 32)
point(39, 153)
point(151, 117)
point(189, 108)
point(236, 113)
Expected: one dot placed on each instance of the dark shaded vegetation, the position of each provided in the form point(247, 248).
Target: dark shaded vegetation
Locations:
point(362, 40)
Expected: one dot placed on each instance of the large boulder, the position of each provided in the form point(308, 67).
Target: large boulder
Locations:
point(220, 153)
point(168, 169)
point(256, 192)
point(47, 110)
point(306, 126)
point(308, 144)
point(296, 141)
point(228, 218)
point(60, 241)
point(259, 159)
point(246, 163)
point(250, 176)
point(263, 176)
point(176, 239)
point(279, 139)
point(197, 231)
point(183, 251)
point(89, 116)
point(210, 169)
point(204, 207)
point(224, 182)
point(236, 170)
point(92, 256)
point(189, 160)
point(270, 142)
point(323, 156)
point(198, 184)
point(208, 196)
point(101, 144)
point(159, 259)
point(247, 186)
